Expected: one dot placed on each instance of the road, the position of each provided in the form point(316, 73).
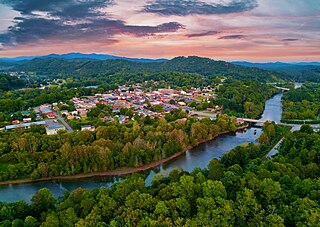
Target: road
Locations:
point(68, 127)
point(275, 149)
point(204, 114)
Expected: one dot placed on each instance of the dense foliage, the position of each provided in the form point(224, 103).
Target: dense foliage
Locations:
point(91, 68)
point(11, 82)
point(284, 191)
point(301, 73)
point(33, 154)
point(244, 98)
point(302, 103)
point(20, 100)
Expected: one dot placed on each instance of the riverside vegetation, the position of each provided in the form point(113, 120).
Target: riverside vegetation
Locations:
point(33, 154)
point(302, 103)
point(241, 189)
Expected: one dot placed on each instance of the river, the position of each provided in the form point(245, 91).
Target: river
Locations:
point(196, 157)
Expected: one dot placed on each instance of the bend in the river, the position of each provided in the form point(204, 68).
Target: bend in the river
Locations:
point(196, 157)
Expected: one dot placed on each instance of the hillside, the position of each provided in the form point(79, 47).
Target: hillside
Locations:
point(89, 68)
point(300, 71)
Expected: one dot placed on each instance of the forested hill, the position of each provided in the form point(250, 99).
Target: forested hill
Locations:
point(302, 72)
point(203, 66)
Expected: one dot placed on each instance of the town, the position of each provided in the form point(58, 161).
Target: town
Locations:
point(152, 103)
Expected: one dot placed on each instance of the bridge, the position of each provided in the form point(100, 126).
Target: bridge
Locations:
point(295, 126)
point(251, 120)
point(213, 116)
point(283, 88)
point(248, 120)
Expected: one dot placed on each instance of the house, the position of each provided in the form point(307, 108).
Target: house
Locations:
point(70, 117)
point(182, 104)
point(88, 127)
point(83, 113)
point(45, 110)
point(26, 113)
point(26, 120)
point(53, 129)
point(15, 122)
point(51, 115)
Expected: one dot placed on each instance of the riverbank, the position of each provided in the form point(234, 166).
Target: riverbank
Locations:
point(117, 172)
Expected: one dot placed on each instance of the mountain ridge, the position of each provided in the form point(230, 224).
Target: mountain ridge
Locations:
point(274, 65)
point(77, 55)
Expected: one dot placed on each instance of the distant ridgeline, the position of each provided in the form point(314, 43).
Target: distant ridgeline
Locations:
point(92, 68)
point(300, 71)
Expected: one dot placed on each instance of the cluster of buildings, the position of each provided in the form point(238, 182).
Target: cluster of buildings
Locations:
point(144, 103)
point(52, 127)
point(45, 110)
point(134, 97)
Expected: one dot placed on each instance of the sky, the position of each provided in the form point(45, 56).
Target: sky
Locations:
point(250, 30)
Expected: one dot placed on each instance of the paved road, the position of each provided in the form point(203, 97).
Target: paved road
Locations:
point(275, 149)
point(68, 127)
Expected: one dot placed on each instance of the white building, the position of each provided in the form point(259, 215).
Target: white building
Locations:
point(88, 127)
point(53, 129)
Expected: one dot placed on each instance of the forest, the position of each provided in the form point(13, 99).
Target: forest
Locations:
point(11, 82)
point(32, 154)
point(20, 100)
point(92, 68)
point(301, 73)
point(244, 98)
point(241, 189)
point(302, 103)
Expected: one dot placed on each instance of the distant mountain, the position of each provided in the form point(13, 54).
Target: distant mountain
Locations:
point(92, 56)
point(275, 65)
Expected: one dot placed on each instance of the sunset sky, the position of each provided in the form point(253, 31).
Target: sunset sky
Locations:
point(252, 30)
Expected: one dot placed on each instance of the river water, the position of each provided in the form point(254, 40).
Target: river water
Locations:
point(196, 157)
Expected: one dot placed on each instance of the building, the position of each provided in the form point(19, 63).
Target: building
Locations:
point(45, 110)
point(51, 115)
point(88, 127)
point(26, 125)
point(15, 122)
point(53, 129)
point(27, 120)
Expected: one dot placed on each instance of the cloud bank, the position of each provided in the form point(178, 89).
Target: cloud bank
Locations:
point(71, 20)
point(189, 7)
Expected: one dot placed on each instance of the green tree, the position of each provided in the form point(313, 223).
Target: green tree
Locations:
point(42, 201)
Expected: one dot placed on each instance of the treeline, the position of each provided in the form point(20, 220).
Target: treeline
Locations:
point(33, 154)
point(244, 98)
point(20, 100)
point(91, 68)
point(302, 103)
point(283, 191)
